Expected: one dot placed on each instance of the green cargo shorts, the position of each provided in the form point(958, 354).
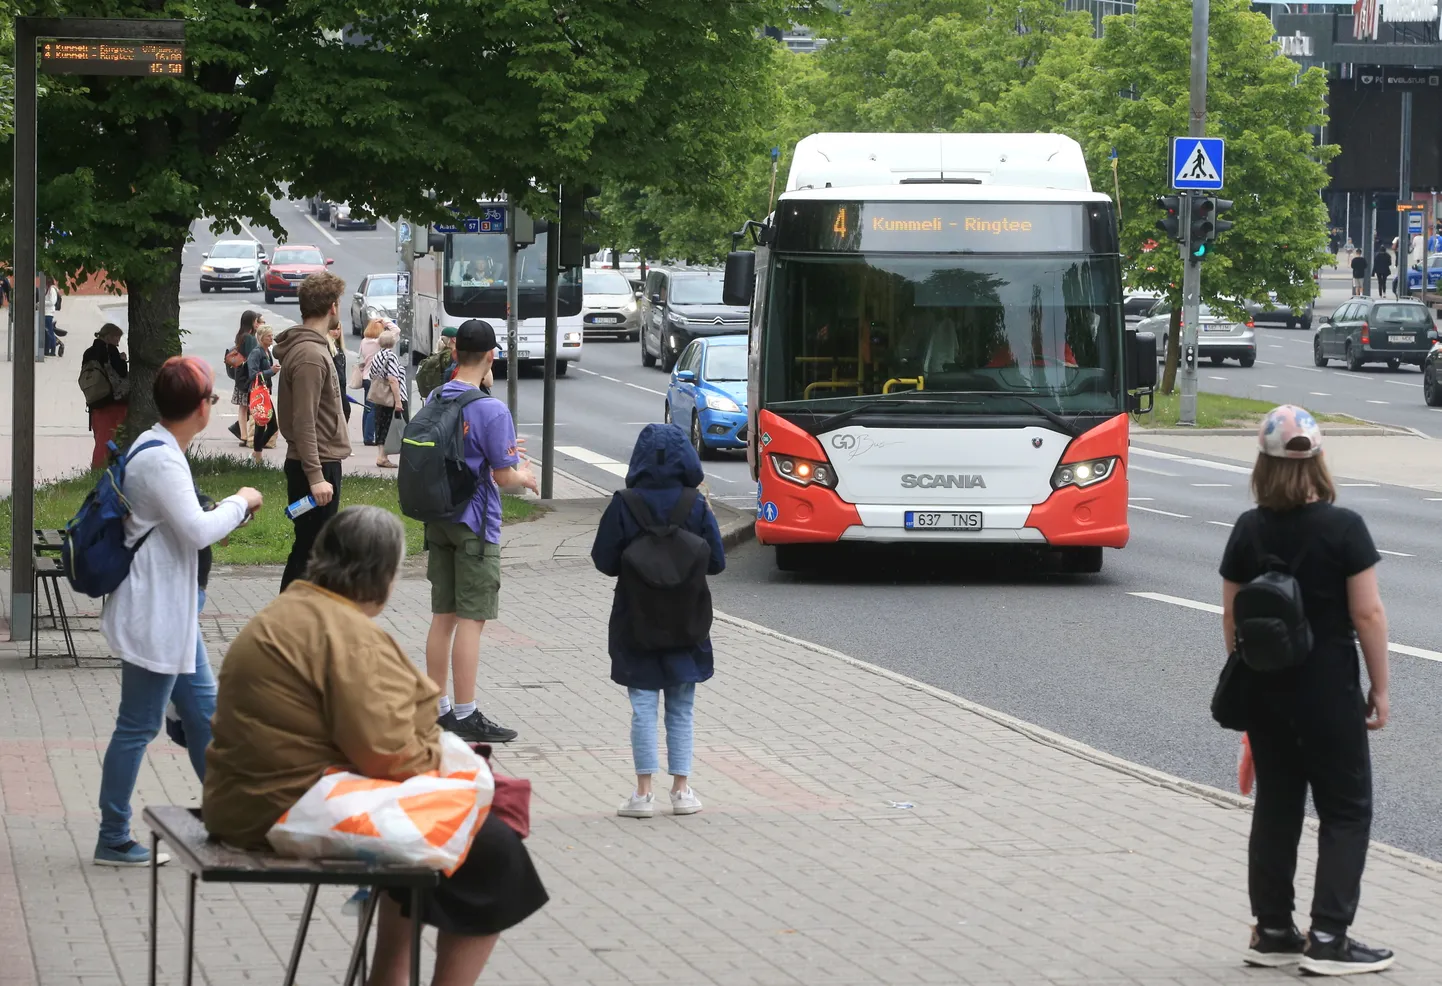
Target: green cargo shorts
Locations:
point(464, 572)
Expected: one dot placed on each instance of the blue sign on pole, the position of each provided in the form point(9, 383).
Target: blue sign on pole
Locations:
point(1197, 162)
point(1414, 222)
point(491, 220)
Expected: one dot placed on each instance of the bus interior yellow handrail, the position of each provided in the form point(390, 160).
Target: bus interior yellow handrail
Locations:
point(919, 382)
point(831, 385)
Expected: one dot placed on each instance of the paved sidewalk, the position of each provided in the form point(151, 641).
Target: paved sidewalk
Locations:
point(1394, 460)
point(860, 828)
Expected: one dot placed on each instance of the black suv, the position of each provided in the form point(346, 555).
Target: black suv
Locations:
point(680, 304)
point(1375, 330)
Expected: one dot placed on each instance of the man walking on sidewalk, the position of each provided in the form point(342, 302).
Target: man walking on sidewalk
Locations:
point(311, 419)
point(464, 555)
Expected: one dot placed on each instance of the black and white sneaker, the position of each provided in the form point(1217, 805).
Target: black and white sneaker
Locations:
point(1275, 948)
point(1342, 956)
point(476, 728)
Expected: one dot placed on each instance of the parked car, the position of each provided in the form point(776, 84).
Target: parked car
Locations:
point(233, 264)
point(609, 305)
point(375, 296)
point(1272, 312)
point(1375, 330)
point(342, 217)
point(1431, 386)
point(1138, 301)
point(1414, 278)
point(1219, 336)
point(681, 304)
point(707, 395)
point(289, 266)
point(319, 207)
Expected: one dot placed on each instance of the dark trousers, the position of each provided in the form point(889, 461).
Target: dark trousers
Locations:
point(1382, 285)
point(307, 525)
point(1321, 744)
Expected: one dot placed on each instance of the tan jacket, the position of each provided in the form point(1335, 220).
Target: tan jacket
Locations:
point(309, 401)
point(310, 683)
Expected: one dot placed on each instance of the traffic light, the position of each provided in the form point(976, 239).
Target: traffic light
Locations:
point(1172, 224)
point(1206, 225)
point(575, 218)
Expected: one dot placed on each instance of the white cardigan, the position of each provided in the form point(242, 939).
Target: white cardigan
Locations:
point(152, 619)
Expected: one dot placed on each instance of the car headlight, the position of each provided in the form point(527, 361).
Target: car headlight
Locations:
point(207, 267)
point(677, 319)
point(804, 472)
point(630, 306)
point(720, 402)
point(1083, 473)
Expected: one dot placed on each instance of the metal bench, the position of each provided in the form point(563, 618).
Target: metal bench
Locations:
point(49, 574)
point(208, 860)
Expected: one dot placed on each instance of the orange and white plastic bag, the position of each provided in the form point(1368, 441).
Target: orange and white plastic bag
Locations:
point(427, 820)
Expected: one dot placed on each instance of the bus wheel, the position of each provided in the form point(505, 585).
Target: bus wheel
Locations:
point(1081, 561)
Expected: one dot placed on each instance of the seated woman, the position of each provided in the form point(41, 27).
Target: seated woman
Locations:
point(313, 683)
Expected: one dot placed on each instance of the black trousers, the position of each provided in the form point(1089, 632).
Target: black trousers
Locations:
point(1381, 285)
point(307, 525)
point(1318, 742)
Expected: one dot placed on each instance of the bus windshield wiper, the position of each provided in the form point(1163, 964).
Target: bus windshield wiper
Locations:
point(884, 402)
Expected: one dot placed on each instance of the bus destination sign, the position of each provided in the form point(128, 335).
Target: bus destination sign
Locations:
point(74, 56)
point(932, 227)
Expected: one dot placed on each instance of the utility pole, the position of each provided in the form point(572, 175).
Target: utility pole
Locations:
point(1192, 269)
point(1404, 194)
point(548, 392)
point(513, 327)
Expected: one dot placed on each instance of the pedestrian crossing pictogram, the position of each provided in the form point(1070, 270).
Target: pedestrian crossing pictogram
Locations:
point(1197, 162)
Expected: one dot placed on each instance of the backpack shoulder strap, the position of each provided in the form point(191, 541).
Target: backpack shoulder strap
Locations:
point(639, 509)
point(471, 395)
point(683, 506)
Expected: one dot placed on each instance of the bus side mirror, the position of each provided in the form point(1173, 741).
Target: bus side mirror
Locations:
point(1141, 361)
point(436, 242)
point(740, 283)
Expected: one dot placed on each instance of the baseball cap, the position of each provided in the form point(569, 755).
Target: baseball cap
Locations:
point(1289, 432)
point(475, 336)
point(449, 332)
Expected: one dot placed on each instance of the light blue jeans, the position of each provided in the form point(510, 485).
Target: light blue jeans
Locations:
point(680, 708)
point(143, 697)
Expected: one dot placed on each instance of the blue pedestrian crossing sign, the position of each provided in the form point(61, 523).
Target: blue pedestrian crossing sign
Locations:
point(1197, 162)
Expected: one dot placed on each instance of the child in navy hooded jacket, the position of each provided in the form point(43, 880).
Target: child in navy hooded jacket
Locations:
point(663, 464)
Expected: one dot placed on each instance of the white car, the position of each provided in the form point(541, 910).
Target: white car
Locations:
point(233, 264)
point(1220, 337)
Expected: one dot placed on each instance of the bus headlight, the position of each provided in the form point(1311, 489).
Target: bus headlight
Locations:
point(804, 472)
point(1083, 473)
point(719, 402)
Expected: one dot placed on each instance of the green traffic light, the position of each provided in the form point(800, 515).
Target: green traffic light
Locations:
point(1199, 251)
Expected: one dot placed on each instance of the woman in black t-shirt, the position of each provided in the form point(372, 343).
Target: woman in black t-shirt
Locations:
point(1307, 725)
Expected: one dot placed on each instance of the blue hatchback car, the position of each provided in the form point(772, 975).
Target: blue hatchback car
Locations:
point(707, 395)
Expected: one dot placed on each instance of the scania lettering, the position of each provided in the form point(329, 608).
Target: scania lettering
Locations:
point(938, 352)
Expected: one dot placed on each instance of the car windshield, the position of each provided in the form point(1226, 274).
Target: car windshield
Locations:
point(696, 290)
point(1408, 314)
point(233, 251)
point(847, 328)
point(725, 364)
point(381, 287)
point(605, 282)
point(298, 255)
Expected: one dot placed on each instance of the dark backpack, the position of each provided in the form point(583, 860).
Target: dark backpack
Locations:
point(93, 552)
point(1272, 630)
point(663, 578)
point(434, 481)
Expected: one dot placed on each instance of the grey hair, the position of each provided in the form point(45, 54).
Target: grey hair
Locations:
point(358, 553)
point(387, 339)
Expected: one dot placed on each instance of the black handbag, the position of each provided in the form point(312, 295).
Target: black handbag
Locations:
point(1229, 702)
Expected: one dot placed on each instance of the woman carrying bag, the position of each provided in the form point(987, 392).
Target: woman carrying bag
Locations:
point(385, 393)
point(262, 368)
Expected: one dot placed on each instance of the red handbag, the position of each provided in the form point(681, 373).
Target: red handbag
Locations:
point(511, 802)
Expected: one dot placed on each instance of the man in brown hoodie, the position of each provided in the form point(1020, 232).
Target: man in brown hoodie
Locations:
point(309, 407)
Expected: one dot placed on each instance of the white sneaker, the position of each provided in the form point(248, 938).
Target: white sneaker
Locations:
point(685, 802)
point(638, 807)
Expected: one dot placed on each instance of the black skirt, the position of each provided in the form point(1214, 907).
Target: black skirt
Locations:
point(496, 888)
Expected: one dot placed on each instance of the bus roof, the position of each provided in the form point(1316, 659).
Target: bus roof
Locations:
point(940, 192)
point(852, 160)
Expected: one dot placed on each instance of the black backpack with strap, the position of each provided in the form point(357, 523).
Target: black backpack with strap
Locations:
point(1272, 630)
point(434, 481)
point(663, 578)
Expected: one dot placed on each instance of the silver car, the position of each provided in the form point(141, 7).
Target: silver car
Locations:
point(1219, 336)
point(609, 305)
point(233, 264)
point(376, 296)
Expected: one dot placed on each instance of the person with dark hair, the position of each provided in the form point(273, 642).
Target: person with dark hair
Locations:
point(308, 408)
point(104, 383)
point(261, 369)
point(313, 683)
point(152, 621)
point(337, 345)
point(245, 342)
point(1307, 723)
point(1382, 267)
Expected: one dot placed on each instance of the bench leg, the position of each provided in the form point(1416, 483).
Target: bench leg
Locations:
point(363, 930)
point(416, 928)
point(300, 934)
point(65, 627)
point(189, 926)
point(154, 896)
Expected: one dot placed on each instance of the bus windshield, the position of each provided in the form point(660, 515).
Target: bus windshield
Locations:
point(474, 277)
point(845, 329)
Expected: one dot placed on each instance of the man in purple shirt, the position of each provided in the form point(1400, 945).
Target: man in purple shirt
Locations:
point(464, 563)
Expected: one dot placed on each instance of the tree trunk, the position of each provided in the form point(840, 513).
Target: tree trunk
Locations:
point(1174, 351)
point(154, 335)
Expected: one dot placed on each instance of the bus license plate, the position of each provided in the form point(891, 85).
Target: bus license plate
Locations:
point(919, 520)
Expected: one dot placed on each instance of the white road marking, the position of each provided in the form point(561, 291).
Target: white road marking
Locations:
point(1262, 362)
point(323, 231)
point(1225, 485)
point(1164, 513)
point(596, 459)
point(1309, 369)
point(1317, 393)
point(1273, 345)
point(1395, 554)
point(582, 369)
point(1379, 402)
point(1220, 523)
point(1216, 378)
point(1189, 460)
point(1153, 472)
point(612, 379)
point(1142, 499)
point(1426, 655)
point(1402, 383)
point(1267, 386)
point(721, 479)
point(658, 393)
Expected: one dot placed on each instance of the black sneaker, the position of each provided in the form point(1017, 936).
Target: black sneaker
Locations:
point(1342, 956)
point(1274, 949)
point(447, 722)
point(476, 728)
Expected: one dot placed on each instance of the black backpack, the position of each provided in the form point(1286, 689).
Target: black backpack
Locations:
point(434, 481)
point(1272, 630)
point(663, 578)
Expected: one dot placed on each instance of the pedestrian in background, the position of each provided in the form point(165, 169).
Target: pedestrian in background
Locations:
point(464, 555)
point(308, 405)
point(385, 393)
point(338, 357)
point(1307, 724)
point(245, 341)
point(661, 489)
point(104, 381)
point(1359, 275)
point(1382, 268)
point(53, 332)
point(439, 366)
point(260, 369)
point(370, 345)
point(151, 622)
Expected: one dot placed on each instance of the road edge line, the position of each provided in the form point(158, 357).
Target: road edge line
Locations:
point(1064, 744)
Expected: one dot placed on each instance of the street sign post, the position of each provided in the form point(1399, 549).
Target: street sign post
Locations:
point(1197, 162)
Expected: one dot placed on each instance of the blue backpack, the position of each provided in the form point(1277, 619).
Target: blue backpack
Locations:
point(93, 553)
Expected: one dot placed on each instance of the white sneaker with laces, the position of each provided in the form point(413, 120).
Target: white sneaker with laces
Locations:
point(685, 802)
point(638, 807)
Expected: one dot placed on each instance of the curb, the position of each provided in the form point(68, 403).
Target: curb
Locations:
point(1341, 431)
point(738, 530)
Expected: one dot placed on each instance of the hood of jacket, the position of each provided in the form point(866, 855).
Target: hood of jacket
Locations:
point(299, 337)
point(663, 457)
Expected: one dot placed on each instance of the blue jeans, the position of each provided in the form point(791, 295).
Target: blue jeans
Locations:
point(143, 697)
point(51, 339)
point(368, 415)
point(680, 708)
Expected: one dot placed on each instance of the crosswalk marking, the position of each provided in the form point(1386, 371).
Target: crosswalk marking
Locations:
point(603, 462)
